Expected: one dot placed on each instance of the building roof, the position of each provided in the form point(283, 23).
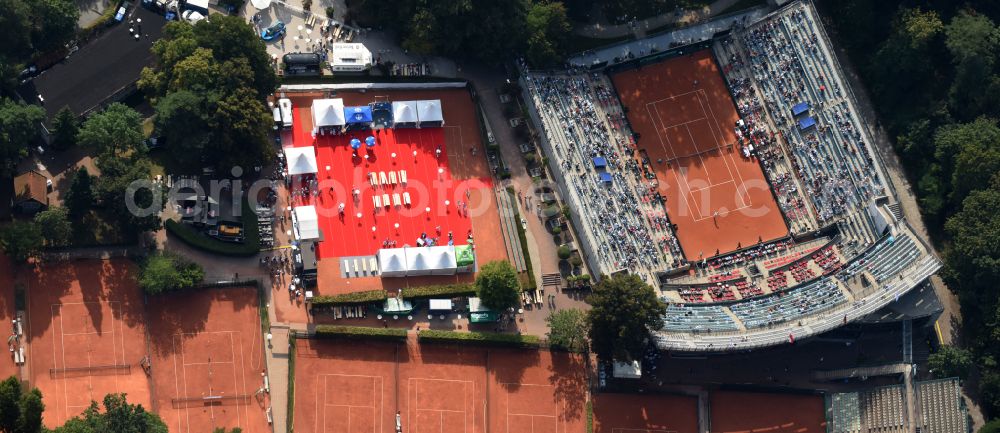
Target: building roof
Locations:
point(404, 111)
point(430, 111)
point(328, 112)
point(350, 54)
point(301, 160)
point(307, 222)
point(30, 186)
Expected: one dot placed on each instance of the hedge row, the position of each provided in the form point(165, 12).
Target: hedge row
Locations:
point(478, 338)
point(360, 332)
point(192, 237)
point(441, 291)
point(350, 298)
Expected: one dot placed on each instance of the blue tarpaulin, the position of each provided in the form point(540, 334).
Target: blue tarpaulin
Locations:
point(370, 141)
point(800, 108)
point(606, 177)
point(355, 143)
point(362, 114)
point(600, 162)
point(806, 123)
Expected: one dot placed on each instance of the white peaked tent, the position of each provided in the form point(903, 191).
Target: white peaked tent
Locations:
point(328, 112)
point(301, 160)
point(429, 111)
point(392, 262)
point(306, 223)
point(404, 112)
point(417, 262)
point(442, 260)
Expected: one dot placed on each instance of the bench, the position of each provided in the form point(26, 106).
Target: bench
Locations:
point(395, 200)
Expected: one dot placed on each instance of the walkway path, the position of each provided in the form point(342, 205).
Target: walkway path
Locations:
point(639, 28)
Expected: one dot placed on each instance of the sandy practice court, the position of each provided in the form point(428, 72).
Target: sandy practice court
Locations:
point(87, 336)
point(649, 413)
point(207, 359)
point(685, 119)
point(359, 387)
point(739, 412)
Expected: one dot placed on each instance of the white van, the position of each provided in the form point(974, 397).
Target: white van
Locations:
point(285, 105)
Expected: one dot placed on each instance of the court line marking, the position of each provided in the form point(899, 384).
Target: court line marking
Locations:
point(507, 414)
point(684, 197)
point(377, 385)
point(53, 308)
point(719, 141)
point(644, 430)
point(466, 401)
point(184, 364)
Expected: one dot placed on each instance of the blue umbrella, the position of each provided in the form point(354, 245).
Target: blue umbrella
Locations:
point(355, 143)
point(370, 141)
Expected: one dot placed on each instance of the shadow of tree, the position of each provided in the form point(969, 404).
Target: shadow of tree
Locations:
point(568, 375)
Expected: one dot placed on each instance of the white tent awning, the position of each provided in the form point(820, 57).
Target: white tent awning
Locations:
point(430, 111)
point(442, 260)
point(306, 222)
point(301, 160)
point(392, 262)
point(440, 304)
point(404, 111)
point(328, 112)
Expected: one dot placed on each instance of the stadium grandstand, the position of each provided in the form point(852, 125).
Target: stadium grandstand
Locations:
point(735, 174)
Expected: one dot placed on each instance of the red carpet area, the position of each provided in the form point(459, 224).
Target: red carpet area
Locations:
point(429, 184)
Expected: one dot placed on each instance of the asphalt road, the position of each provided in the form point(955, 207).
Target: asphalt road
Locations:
point(100, 68)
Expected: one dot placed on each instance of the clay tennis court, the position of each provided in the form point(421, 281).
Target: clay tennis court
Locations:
point(344, 386)
point(646, 413)
point(207, 360)
point(87, 335)
point(465, 177)
point(744, 412)
point(685, 119)
point(7, 311)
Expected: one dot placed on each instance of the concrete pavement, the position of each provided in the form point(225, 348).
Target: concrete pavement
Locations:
point(639, 28)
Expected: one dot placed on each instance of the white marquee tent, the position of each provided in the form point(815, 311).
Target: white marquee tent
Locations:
point(392, 262)
point(328, 112)
point(429, 111)
point(306, 223)
point(301, 160)
point(404, 112)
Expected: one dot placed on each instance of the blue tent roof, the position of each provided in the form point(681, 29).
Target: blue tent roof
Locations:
point(600, 162)
point(800, 108)
point(370, 141)
point(362, 114)
point(605, 177)
point(355, 143)
point(807, 123)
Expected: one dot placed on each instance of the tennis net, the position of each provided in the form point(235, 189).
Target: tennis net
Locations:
point(239, 399)
point(91, 370)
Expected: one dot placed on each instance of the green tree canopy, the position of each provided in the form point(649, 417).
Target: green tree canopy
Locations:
point(116, 190)
point(118, 416)
point(548, 30)
point(55, 226)
point(21, 240)
point(166, 272)
point(20, 410)
point(80, 196)
point(19, 127)
point(497, 285)
point(568, 329)
point(950, 361)
point(625, 310)
point(116, 132)
point(991, 427)
point(64, 129)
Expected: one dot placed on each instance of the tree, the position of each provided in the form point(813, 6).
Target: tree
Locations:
point(548, 29)
point(19, 128)
point(625, 310)
point(116, 190)
point(973, 41)
point(497, 285)
point(64, 129)
point(563, 252)
point(166, 272)
point(21, 240)
point(568, 330)
point(991, 427)
point(116, 131)
point(55, 226)
point(330, 12)
point(950, 361)
point(55, 23)
point(223, 430)
point(80, 196)
point(118, 417)
point(20, 412)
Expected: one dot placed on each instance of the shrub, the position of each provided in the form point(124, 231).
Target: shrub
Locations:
point(478, 338)
point(576, 261)
point(440, 291)
point(360, 332)
point(165, 272)
point(330, 12)
point(350, 298)
point(249, 247)
point(307, 4)
point(563, 252)
point(557, 230)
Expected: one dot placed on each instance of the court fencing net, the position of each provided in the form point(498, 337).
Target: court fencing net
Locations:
point(211, 400)
point(91, 370)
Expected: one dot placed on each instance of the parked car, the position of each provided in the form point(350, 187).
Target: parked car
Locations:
point(272, 32)
point(122, 11)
